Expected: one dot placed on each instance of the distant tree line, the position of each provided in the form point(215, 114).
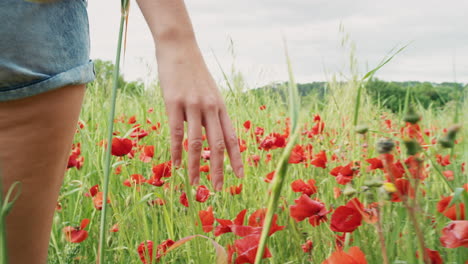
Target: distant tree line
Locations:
point(392, 94)
point(386, 94)
point(104, 71)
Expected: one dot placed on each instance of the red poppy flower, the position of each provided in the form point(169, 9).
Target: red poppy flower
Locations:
point(273, 141)
point(225, 225)
point(404, 187)
point(147, 154)
point(242, 145)
point(159, 171)
point(451, 212)
point(157, 201)
point(254, 227)
point(434, 256)
point(455, 234)
point(75, 160)
point(202, 194)
point(262, 107)
point(183, 199)
point(259, 131)
point(375, 163)
point(139, 132)
point(344, 174)
point(307, 246)
point(114, 228)
point(443, 160)
point(320, 160)
point(354, 256)
point(253, 160)
point(392, 170)
point(246, 249)
point(257, 218)
point(132, 120)
point(205, 168)
point(76, 234)
point(297, 155)
point(121, 146)
point(156, 127)
point(92, 191)
point(145, 251)
point(155, 181)
point(234, 190)
point(308, 188)
point(448, 174)
point(127, 183)
point(345, 219)
point(269, 177)
point(97, 200)
point(247, 125)
point(305, 207)
point(207, 219)
point(138, 178)
point(118, 170)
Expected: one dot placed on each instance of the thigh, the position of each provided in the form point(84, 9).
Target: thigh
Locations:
point(36, 134)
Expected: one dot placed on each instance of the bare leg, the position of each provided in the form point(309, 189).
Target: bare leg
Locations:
point(36, 134)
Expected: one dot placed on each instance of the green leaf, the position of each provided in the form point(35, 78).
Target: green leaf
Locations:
point(221, 254)
point(457, 196)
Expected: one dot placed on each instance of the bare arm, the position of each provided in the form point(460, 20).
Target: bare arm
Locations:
point(190, 93)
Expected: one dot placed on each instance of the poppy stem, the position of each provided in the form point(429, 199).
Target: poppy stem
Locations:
point(411, 211)
point(3, 249)
point(102, 229)
point(383, 248)
point(280, 174)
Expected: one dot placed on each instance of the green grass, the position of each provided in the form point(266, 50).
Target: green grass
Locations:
point(139, 222)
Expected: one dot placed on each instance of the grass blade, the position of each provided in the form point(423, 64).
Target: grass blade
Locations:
point(103, 229)
point(280, 175)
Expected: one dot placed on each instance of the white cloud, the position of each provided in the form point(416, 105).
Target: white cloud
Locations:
point(436, 29)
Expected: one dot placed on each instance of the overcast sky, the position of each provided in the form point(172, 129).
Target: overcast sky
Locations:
point(437, 31)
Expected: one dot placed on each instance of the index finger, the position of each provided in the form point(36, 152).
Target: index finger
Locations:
point(232, 143)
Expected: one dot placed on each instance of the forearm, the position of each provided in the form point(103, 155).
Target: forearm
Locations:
point(169, 23)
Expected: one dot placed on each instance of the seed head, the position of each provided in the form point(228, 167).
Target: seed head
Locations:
point(385, 145)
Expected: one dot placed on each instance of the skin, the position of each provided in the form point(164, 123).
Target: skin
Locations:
point(189, 91)
point(27, 127)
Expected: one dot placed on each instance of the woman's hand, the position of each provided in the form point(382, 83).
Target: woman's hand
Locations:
point(190, 92)
point(191, 95)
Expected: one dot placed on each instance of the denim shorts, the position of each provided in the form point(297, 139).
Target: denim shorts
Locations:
point(43, 47)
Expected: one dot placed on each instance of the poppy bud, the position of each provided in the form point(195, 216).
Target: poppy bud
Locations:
point(385, 145)
point(448, 141)
point(349, 190)
point(374, 182)
point(362, 129)
point(411, 116)
point(412, 146)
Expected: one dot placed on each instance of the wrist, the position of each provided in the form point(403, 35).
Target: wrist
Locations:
point(178, 49)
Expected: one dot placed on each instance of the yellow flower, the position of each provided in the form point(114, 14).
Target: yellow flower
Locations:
point(389, 187)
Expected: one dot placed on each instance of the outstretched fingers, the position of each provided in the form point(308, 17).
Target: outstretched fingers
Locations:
point(232, 143)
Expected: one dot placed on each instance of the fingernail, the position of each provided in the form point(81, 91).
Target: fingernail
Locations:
point(240, 172)
point(177, 163)
point(219, 186)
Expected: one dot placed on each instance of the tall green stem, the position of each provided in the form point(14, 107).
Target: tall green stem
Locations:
point(280, 175)
point(3, 248)
point(102, 229)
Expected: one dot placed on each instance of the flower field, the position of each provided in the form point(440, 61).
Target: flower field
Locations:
point(391, 190)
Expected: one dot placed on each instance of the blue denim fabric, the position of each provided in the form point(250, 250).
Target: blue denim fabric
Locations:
point(43, 47)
